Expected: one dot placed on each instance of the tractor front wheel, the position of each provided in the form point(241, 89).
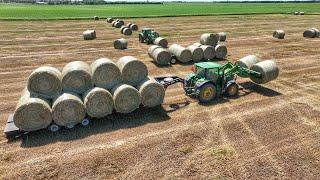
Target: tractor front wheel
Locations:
point(207, 92)
point(232, 89)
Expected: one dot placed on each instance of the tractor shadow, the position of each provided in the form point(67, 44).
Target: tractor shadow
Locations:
point(111, 123)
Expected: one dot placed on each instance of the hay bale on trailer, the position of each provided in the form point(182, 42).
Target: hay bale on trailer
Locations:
point(45, 81)
point(182, 54)
point(89, 35)
point(68, 110)
point(126, 31)
point(221, 51)
point(133, 27)
point(125, 98)
point(268, 69)
point(160, 55)
point(161, 42)
point(279, 34)
point(152, 92)
point(133, 71)
point(197, 53)
point(32, 113)
point(120, 44)
point(105, 73)
point(98, 102)
point(222, 36)
point(209, 39)
point(76, 77)
point(208, 51)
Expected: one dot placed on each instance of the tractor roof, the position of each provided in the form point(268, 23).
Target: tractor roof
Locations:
point(209, 65)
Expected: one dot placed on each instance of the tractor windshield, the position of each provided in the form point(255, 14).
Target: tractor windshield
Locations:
point(200, 71)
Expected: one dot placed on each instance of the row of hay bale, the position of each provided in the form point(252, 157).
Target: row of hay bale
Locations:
point(66, 98)
point(298, 13)
point(89, 34)
point(126, 30)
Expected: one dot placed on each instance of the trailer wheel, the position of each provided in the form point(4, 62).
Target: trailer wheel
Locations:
point(70, 126)
point(54, 128)
point(85, 122)
point(207, 92)
point(173, 60)
point(232, 89)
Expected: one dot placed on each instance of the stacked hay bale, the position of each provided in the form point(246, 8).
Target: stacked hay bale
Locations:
point(279, 34)
point(208, 51)
point(311, 33)
point(89, 34)
point(160, 55)
point(222, 36)
point(197, 53)
point(211, 47)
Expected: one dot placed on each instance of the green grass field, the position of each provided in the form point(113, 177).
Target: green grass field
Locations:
point(29, 11)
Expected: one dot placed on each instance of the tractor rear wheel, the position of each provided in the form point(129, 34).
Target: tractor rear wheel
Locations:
point(232, 89)
point(207, 92)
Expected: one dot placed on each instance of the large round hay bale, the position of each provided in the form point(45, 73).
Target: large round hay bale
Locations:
point(68, 109)
point(105, 73)
point(316, 32)
point(113, 23)
point(296, 13)
point(133, 27)
point(209, 39)
point(89, 34)
point(32, 113)
point(133, 71)
point(208, 51)
point(160, 55)
point(76, 77)
point(45, 81)
point(301, 13)
point(197, 53)
point(109, 20)
point(222, 36)
point(96, 18)
point(98, 102)
point(121, 22)
point(221, 51)
point(152, 92)
point(279, 34)
point(128, 25)
point(310, 33)
point(127, 31)
point(125, 98)
point(247, 61)
point(161, 42)
point(120, 44)
point(268, 69)
point(122, 28)
point(182, 54)
point(117, 24)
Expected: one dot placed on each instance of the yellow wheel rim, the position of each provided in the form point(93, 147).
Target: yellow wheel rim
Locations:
point(232, 90)
point(208, 93)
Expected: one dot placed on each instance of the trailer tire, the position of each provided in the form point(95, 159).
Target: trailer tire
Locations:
point(206, 92)
point(232, 89)
point(85, 122)
point(54, 128)
point(173, 60)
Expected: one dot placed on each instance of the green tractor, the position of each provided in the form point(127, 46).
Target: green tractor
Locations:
point(209, 80)
point(148, 36)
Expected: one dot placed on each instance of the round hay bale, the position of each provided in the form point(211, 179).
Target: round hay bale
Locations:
point(208, 51)
point(125, 98)
point(133, 71)
point(113, 23)
point(152, 92)
point(105, 73)
point(122, 28)
point(68, 109)
point(248, 61)
point(109, 20)
point(98, 102)
point(134, 27)
point(121, 22)
point(117, 20)
point(296, 13)
point(222, 36)
point(197, 53)
point(45, 81)
point(310, 33)
point(279, 34)
point(301, 13)
point(32, 113)
point(221, 51)
point(160, 55)
point(209, 39)
point(129, 24)
point(89, 34)
point(117, 24)
point(76, 77)
point(120, 44)
point(268, 69)
point(96, 18)
point(127, 31)
point(181, 53)
point(161, 42)
point(316, 32)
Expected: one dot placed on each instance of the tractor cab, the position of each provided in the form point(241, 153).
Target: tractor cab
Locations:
point(208, 70)
point(147, 35)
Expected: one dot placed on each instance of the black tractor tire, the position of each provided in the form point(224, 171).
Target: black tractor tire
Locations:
point(232, 89)
point(140, 38)
point(207, 92)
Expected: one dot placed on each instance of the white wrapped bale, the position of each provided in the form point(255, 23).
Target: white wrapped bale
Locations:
point(221, 51)
point(208, 51)
point(222, 36)
point(32, 113)
point(161, 42)
point(279, 34)
point(182, 54)
point(133, 71)
point(68, 110)
point(268, 69)
point(209, 39)
point(105, 73)
point(160, 55)
point(126, 31)
point(76, 77)
point(125, 98)
point(45, 81)
point(120, 44)
point(197, 53)
point(152, 93)
point(98, 102)
point(89, 34)
point(133, 27)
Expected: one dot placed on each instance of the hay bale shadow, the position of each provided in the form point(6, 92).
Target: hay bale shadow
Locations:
point(253, 87)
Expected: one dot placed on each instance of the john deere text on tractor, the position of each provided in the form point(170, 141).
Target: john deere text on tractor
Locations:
point(148, 36)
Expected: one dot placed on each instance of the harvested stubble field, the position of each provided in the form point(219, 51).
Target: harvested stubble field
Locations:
point(268, 131)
